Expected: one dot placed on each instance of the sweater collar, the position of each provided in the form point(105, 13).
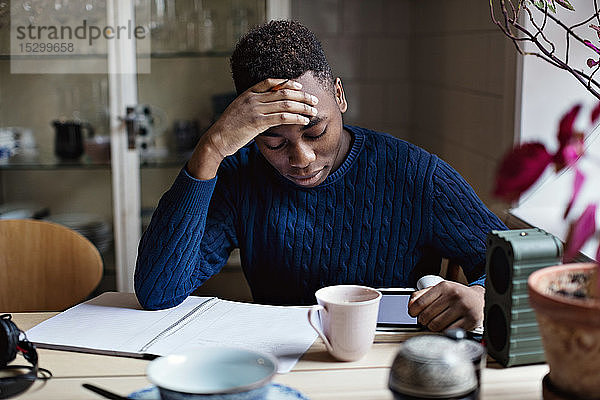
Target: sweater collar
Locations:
point(358, 139)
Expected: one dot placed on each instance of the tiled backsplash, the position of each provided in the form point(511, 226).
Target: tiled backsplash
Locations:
point(437, 73)
point(367, 44)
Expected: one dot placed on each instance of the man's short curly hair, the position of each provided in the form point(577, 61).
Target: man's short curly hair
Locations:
point(278, 49)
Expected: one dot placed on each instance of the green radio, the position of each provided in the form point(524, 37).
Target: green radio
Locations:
point(510, 327)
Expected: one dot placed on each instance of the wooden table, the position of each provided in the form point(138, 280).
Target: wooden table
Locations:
point(316, 375)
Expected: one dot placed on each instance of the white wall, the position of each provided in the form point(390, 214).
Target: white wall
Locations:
point(367, 45)
point(547, 94)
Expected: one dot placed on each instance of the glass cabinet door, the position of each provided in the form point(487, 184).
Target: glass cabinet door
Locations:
point(63, 77)
point(94, 129)
point(189, 82)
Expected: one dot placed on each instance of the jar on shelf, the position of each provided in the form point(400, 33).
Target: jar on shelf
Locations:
point(196, 28)
point(237, 25)
point(205, 31)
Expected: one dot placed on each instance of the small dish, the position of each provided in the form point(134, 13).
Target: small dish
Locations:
point(275, 391)
point(216, 373)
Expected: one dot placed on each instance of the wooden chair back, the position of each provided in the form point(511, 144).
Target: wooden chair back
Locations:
point(45, 266)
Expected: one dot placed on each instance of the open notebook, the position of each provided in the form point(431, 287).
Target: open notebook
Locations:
point(114, 323)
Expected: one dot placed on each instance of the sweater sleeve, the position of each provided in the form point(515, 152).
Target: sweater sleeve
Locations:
point(460, 222)
point(189, 239)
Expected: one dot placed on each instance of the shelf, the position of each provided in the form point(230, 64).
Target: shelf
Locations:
point(53, 57)
point(192, 54)
point(17, 163)
point(174, 161)
point(162, 55)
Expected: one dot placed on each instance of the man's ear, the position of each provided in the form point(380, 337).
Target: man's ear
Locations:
point(340, 96)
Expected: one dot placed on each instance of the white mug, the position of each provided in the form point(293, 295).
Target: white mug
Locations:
point(349, 317)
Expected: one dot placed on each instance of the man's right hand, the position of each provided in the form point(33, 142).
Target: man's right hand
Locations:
point(251, 113)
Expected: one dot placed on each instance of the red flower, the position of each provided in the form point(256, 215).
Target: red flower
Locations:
point(520, 168)
point(577, 184)
point(595, 113)
point(565, 128)
point(567, 155)
point(571, 145)
point(579, 232)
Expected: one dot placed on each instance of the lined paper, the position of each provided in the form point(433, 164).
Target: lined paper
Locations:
point(114, 323)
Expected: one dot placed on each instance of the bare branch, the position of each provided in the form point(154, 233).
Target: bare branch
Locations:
point(537, 36)
point(540, 31)
point(565, 27)
point(557, 62)
point(590, 80)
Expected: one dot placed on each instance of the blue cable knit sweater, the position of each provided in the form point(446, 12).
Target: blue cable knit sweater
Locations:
point(368, 223)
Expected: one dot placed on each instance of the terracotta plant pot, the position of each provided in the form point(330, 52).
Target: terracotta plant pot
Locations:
point(570, 328)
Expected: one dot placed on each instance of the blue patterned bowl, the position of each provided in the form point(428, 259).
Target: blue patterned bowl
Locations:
point(213, 373)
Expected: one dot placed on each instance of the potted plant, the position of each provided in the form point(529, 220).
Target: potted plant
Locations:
point(567, 305)
point(566, 298)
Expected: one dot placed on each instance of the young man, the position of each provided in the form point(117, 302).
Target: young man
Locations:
point(309, 201)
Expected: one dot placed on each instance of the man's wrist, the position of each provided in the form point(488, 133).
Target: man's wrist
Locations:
point(478, 288)
point(205, 160)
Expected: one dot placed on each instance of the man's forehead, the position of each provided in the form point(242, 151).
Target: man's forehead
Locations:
point(313, 121)
point(271, 132)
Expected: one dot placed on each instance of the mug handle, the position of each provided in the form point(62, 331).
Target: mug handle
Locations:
point(311, 311)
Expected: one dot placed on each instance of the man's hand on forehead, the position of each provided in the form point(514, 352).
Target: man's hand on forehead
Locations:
point(270, 103)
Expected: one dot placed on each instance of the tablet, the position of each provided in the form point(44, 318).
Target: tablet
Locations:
point(393, 309)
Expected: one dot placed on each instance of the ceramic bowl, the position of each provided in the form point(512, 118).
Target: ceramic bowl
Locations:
point(215, 373)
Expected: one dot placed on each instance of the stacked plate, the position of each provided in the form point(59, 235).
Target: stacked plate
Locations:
point(92, 226)
point(8, 146)
point(20, 210)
